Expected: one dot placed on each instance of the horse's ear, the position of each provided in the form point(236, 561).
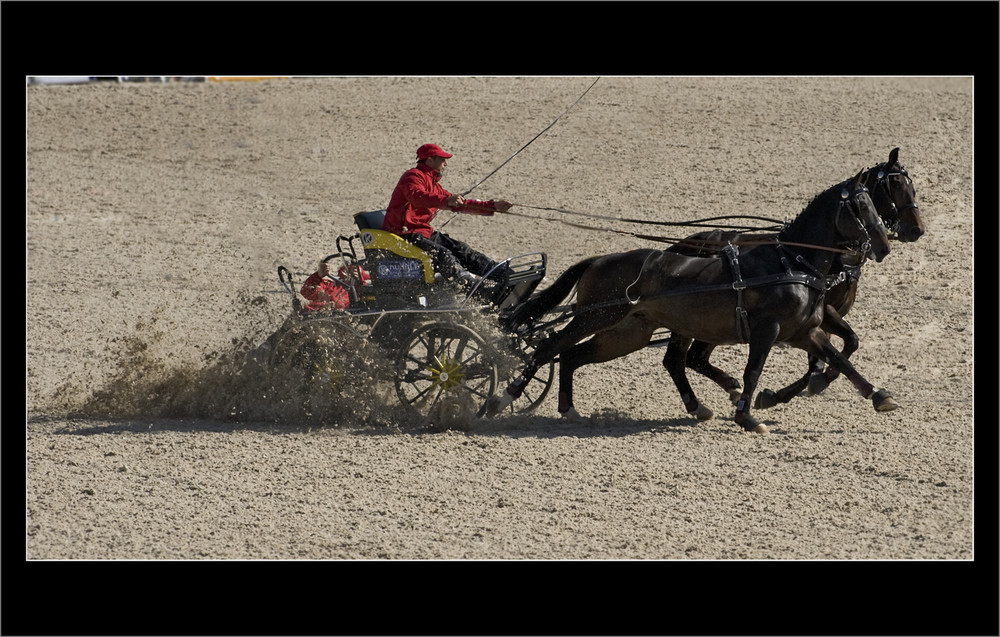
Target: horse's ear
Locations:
point(893, 156)
point(859, 179)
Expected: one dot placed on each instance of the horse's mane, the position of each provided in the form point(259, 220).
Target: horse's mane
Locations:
point(825, 199)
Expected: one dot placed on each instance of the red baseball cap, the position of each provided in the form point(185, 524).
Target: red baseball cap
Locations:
point(431, 150)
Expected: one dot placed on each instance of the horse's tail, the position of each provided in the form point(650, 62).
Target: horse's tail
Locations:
point(543, 301)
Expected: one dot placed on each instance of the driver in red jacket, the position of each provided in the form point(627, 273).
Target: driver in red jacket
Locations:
point(416, 200)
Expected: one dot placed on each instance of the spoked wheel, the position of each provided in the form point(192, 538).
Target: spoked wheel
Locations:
point(538, 388)
point(316, 362)
point(445, 371)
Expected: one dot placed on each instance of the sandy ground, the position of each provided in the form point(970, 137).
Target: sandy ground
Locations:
point(157, 214)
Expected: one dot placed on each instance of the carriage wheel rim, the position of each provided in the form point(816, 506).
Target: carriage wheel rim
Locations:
point(442, 360)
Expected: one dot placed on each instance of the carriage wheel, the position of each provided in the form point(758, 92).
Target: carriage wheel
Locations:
point(536, 390)
point(445, 367)
point(316, 362)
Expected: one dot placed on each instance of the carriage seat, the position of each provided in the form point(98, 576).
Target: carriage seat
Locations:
point(391, 259)
point(370, 220)
point(397, 266)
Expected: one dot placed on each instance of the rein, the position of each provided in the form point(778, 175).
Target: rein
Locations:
point(700, 243)
point(778, 224)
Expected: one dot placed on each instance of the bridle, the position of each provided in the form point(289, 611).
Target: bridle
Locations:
point(850, 200)
point(882, 183)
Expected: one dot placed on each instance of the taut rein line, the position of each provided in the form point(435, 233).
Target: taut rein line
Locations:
point(694, 243)
point(778, 224)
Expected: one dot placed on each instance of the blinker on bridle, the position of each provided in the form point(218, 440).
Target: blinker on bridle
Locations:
point(850, 200)
point(882, 180)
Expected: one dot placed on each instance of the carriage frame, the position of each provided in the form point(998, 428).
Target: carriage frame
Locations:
point(448, 348)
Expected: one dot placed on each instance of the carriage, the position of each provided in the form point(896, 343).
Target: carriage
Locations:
point(442, 358)
point(445, 348)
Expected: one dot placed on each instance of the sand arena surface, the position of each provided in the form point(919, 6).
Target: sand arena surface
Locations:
point(156, 216)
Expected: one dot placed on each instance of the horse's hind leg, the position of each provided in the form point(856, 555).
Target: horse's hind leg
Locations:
point(547, 350)
point(608, 345)
point(578, 329)
point(697, 359)
point(675, 360)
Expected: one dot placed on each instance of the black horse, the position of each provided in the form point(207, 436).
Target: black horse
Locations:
point(895, 199)
point(769, 293)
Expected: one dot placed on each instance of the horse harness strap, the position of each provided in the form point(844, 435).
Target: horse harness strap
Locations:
point(816, 280)
point(732, 254)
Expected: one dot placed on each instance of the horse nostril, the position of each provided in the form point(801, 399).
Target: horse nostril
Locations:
point(914, 233)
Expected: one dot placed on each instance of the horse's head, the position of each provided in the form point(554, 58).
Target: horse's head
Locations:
point(858, 221)
point(893, 193)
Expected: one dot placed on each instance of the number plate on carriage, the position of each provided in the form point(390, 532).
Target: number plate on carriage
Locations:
point(399, 269)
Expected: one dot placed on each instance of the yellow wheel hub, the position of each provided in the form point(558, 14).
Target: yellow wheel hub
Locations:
point(328, 375)
point(446, 373)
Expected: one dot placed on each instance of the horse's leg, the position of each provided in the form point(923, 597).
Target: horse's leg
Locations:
point(768, 398)
point(605, 346)
point(761, 341)
point(547, 350)
point(816, 379)
point(578, 329)
point(834, 323)
point(675, 360)
point(820, 342)
point(697, 359)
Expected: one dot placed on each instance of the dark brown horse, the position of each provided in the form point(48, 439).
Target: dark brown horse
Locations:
point(895, 199)
point(766, 294)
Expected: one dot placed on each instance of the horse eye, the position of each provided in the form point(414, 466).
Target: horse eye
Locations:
point(881, 174)
point(844, 194)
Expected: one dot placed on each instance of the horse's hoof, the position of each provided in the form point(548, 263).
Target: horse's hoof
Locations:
point(571, 415)
point(882, 400)
point(817, 383)
point(734, 394)
point(496, 404)
point(750, 425)
point(488, 409)
point(702, 413)
point(765, 399)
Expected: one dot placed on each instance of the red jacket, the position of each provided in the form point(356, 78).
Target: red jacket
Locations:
point(322, 291)
point(416, 200)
